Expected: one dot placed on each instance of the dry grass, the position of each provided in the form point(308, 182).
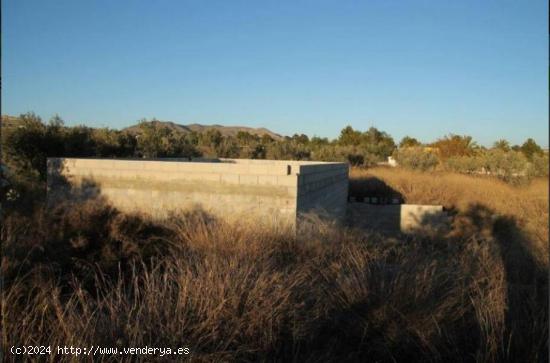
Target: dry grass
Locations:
point(89, 275)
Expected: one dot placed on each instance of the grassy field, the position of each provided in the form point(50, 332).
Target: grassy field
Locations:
point(89, 275)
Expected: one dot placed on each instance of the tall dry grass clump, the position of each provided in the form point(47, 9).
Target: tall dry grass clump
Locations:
point(87, 275)
point(515, 218)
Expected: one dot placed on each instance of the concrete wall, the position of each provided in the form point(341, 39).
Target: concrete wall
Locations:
point(406, 218)
point(323, 189)
point(223, 187)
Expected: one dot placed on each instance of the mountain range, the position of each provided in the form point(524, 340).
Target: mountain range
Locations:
point(224, 130)
point(13, 121)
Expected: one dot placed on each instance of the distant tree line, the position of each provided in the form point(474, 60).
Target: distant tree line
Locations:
point(461, 154)
point(26, 147)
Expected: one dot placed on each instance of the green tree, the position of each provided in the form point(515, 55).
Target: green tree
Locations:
point(349, 136)
point(127, 144)
point(211, 138)
point(258, 151)
point(106, 142)
point(266, 139)
point(502, 144)
point(511, 166)
point(416, 158)
point(228, 148)
point(181, 146)
point(300, 139)
point(151, 140)
point(465, 164)
point(28, 146)
point(539, 165)
point(80, 142)
point(378, 143)
point(193, 137)
point(530, 148)
point(56, 122)
point(408, 141)
point(287, 150)
point(54, 137)
point(319, 141)
point(246, 138)
point(25, 146)
point(455, 145)
point(373, 141)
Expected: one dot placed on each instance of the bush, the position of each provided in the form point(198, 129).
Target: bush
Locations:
point(156, 140)
point(372, 141)
point(27, 147)
point(416, 158)
point(455, 145)
point(511, 166)
point(539, 165)
point(328, 153)
point(354, 155)
point(530, 148)
point(228, 148)
point(287, 150)
point(464, 164)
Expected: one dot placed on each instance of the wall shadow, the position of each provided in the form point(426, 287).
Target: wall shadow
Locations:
point(380, 218)
point(373, 205)
point(364, 187)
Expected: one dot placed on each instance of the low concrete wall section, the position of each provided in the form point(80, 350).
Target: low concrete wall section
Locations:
point(406, 218)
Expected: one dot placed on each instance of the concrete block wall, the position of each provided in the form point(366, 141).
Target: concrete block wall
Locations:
point(323, 189)
point(224, 187)
point(406, 218)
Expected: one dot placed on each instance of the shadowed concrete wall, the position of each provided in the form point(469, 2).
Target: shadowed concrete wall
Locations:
point(323, 189)
point(224, 187)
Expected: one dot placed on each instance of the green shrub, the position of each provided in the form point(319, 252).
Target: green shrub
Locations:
point(511, 166)
point(228, 148)
point(539, 165)
point(464, 164)
point(287, 150)
point(355, 155)
point(416, 158)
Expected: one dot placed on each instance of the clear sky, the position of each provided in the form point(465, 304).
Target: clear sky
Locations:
point(419, 68)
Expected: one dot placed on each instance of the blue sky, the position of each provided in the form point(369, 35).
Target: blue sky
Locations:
point(419, 68)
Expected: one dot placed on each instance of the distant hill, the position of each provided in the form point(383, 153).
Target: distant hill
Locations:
point(13, 121)
point(224, 130)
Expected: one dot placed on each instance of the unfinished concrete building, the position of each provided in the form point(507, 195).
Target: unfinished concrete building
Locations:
point(260, 189)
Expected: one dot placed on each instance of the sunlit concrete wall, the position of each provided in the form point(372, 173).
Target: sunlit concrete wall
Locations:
point(271, 190)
